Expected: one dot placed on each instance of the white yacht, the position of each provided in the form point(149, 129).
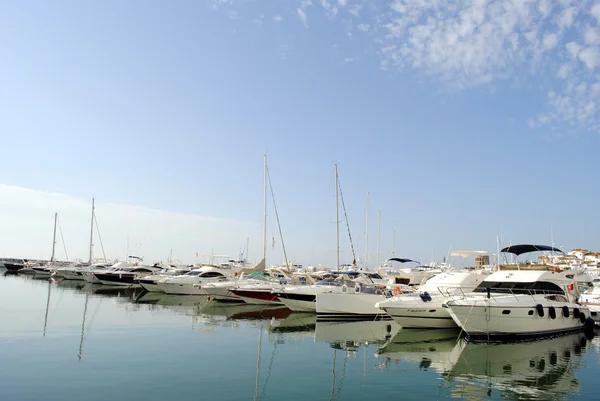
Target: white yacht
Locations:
point(357, 299)
point(185, 284)
point(410, 272)
point(423, 309)
point(522, 301)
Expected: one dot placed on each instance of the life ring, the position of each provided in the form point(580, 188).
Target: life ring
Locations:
point(397, 291)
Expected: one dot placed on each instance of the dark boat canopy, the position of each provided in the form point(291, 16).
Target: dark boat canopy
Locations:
point(401, 260)
point(526, 248)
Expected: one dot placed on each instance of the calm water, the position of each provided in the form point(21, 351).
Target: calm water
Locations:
point(70, 341)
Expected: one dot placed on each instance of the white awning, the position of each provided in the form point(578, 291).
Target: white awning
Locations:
point(466, 254)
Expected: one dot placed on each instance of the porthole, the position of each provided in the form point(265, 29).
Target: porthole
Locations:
point(530, 313)
point(506, 312)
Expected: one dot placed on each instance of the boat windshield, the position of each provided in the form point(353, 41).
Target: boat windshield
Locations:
point(536, 287)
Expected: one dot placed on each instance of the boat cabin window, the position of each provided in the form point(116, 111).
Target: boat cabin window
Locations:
point(211, 275)
point(375, 276)
point(583, 286)
point(193, 273)
point(537, 287)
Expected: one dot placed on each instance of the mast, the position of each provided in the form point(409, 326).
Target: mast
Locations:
point(367, 236)
point(92, 234)
point(54, 238)
point(378, 234)
point(394, 248)
point(337, 218)
point(265, 211)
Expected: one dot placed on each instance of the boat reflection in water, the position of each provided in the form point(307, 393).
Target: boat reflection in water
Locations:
point(540, 370)
point(358, 333)
point(431, 349)
point(537, 370)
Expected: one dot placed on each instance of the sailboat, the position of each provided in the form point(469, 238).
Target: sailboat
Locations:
point(50, 267)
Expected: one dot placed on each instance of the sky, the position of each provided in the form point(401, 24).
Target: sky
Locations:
point(467, 123)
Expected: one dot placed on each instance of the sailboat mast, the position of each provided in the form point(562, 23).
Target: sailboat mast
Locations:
point(378, 234)
point(54, 238)
point(337, 218)
point(367, 235)
point(92, 234)
point(265, 211)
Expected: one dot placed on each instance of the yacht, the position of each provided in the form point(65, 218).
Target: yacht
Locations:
point(423, 309)
point(357, 299)
point(411, 272)
point(150, 282)
point(522, 301)
point(185, 284)
point(125, 277)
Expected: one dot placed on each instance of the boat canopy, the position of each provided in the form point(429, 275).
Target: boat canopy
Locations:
point(466, 254)
point(401, 260)
point(526, 248)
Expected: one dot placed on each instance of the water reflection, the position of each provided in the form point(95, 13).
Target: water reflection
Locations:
point(334, 356)
point(538, 370)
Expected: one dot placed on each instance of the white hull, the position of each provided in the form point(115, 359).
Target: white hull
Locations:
point(349, 306)
point(513, 317)
point(181, 289)
point(297, 305)
point(410, 311)
point(151, 287)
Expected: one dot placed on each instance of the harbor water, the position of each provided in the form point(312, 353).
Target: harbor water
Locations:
point(70, 340)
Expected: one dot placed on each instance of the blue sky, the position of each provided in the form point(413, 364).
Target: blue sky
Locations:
point(463, 120)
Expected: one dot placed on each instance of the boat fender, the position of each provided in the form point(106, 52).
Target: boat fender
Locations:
point(540, 310)
point(582, 318)
point(565, 311)
point(576, 313)
point(427, 296)
point(344, 288)
point(423, 297)
point(552, 312)
point(589, 326)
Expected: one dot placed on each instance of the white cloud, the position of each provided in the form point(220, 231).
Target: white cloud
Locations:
point(302, 16)
point(590, 57)
point(348, 59)
point(471, 43)
point(277, 18)
point(550, 40)
point(152, 233)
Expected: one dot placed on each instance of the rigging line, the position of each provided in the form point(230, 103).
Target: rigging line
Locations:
point(99, 237)
point(258, 364)
point(269, 369)
point(343, 378)
point(47, 307)
point(62, 238)
point(277, 216)
point(80, 353)
point(347, 224)
point(333, 374)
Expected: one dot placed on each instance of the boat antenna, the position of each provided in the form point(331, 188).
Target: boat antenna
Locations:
point(277, 217)
point(265, 210)
point(378, 234)
point(347, 224)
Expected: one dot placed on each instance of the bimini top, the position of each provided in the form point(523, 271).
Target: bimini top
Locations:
point(526, 248)
point(401, 260)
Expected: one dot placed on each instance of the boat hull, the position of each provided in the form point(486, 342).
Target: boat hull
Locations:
point(181, 288)
point(515, 321)
point(299, 302)
point(349, 306)
point(258, 297)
